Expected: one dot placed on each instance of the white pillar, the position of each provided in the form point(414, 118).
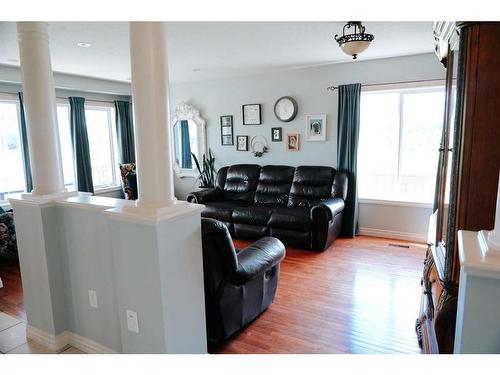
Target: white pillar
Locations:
point(41, 112)
point(148, 53)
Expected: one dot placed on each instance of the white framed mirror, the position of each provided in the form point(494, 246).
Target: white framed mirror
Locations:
point(188, 133)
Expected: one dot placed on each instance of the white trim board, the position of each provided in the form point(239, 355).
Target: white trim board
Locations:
point(407, 236)
point(66, 338)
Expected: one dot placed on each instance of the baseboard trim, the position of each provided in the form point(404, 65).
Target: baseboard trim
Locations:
point(407, 236)
point(89, 346)
point(52, 342)
point(56, 343)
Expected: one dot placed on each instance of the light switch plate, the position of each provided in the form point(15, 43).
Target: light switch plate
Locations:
point(93, 299)
point(132, 322)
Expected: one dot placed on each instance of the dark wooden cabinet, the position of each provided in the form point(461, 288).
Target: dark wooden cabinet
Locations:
point(471, 52)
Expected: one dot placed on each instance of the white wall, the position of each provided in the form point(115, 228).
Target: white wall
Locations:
point(308, 86)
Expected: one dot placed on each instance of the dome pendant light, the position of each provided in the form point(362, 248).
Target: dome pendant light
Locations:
point(355, 43)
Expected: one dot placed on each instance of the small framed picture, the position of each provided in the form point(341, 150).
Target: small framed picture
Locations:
point(251, 114)
point(316, 127)
point(242, 143)
point(276, 134)
point(226, 130)
point(292, 142)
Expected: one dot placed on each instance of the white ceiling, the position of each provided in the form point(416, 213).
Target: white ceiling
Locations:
point(210, 50)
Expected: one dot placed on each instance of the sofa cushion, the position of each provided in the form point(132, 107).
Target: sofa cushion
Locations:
point(274, 185)
point(311, 185)
point(222, 210)
point(241, 182)
point(292, 218)
point(255, 215)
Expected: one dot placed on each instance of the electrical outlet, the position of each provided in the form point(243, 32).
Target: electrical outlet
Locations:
point(93, 299)
point(132, 322)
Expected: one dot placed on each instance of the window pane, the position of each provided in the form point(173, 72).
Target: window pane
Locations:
point(66, 146)
point(394, 166)
point(98, 122)
point(422, 127)
point(11, 157)
point(378, 144)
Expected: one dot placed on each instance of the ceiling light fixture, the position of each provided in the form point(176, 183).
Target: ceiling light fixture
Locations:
point(83, 44)
point(355, 43)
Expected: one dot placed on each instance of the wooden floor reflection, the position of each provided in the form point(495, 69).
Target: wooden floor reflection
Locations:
point(359, 296)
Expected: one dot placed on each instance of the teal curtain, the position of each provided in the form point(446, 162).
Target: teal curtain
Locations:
point(185, 146)
point(24, 141)
point(347, 151)
point(125, 131)
point(81, 151)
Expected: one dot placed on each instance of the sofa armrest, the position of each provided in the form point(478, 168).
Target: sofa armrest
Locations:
point(331, 207)
point(258, 258)
point(204, 195)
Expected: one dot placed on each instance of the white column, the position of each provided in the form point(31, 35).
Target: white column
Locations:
point(148, 53)
point(40, 104)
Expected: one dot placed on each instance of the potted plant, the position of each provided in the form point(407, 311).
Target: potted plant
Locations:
point(207, 170)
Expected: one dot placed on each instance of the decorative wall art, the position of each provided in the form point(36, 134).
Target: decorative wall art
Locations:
point(292, 142)
point(258, 145)
point(226, 130)
point(251, 114)
point(276, 134)
point(242, 143)
point(316, 127)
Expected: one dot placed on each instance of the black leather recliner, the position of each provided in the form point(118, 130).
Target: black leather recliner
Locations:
point(239, 285)
point(301, 206)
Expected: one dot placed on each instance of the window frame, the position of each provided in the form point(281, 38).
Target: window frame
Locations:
point(65, 103)
point(400, 89)
point(108, 107)
point(14, 98)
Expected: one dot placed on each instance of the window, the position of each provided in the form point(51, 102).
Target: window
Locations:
point(12, 178)
point(101, 133)
point(400, 133)
point(63, 120)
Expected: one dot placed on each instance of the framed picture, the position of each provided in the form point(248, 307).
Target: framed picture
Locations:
point(276, 134)
point(251, 114)
point(242, 143)
point(226, 130)
point(316, 127)
point(292, 142)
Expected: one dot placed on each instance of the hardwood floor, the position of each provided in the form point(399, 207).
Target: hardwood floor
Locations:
point(11, 295)
point(359, 296)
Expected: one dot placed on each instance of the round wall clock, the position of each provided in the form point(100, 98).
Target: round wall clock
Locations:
point(285, 109)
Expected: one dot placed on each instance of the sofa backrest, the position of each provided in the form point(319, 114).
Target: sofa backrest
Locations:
point(311, 185)
point(274, 185)
point(283, 185)
point(241, 182)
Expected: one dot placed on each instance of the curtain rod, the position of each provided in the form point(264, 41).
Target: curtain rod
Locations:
point(66, 97)
point(333, 88)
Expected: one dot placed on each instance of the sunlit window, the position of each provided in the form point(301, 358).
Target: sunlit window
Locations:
point(100, 130)
point(63, 119)
point(12, 178)
point(400, 134)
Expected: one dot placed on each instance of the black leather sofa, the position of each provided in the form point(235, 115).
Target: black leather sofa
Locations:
point(301, 206)
point(239, 284)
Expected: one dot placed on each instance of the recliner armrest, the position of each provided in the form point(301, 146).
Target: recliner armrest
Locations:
point(258, 258)
point(331, 207)
point(204, 195)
